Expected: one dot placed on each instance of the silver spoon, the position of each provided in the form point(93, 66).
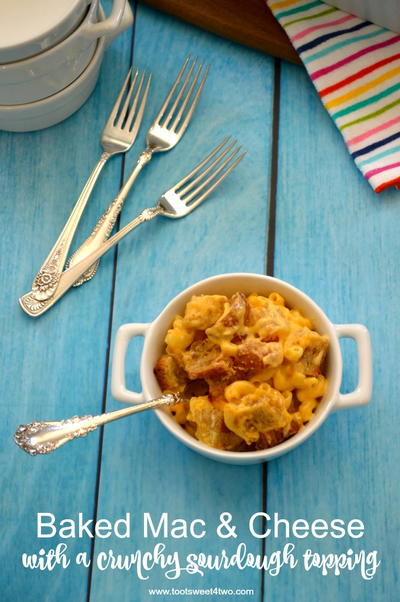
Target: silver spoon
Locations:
point(44, 437)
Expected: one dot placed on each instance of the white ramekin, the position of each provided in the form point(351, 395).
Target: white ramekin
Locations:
point(45, 74)
point(227, 284)
point(28, 28)
point(49, 111)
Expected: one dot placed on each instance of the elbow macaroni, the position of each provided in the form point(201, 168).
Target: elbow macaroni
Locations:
point(250, 369)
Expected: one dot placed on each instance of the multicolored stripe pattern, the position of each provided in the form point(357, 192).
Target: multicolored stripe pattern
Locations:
point(355, 66)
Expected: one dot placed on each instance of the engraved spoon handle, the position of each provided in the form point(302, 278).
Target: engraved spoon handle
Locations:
point(36, 308)
point(44, 437)
point(46, 280)
point(106, 223)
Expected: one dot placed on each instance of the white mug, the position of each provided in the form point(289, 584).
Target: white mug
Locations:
point(227, 284)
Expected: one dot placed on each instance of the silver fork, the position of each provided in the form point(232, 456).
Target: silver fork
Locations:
point(118, 136)
point(176, 202)
point(164, 133)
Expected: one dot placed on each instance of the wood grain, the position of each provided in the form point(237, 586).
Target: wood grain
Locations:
point(249, 22)
point(143, 465)
point(335, 239)
point(52, 367)
point(338, 241)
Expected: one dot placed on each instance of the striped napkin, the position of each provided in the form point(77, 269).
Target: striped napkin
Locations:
point(355, 67)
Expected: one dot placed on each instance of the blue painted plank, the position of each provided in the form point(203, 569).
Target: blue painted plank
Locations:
point(143, 468)
point(338, 241)
point(53, 367)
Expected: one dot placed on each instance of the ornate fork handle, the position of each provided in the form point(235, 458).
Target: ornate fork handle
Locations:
point(47, 279)
point(35, 308)
point(44, 437)
point(104, 226)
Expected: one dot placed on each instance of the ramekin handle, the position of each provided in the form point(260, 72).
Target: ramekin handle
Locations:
point(119, 19)
point(118, 386)
point(362, 393)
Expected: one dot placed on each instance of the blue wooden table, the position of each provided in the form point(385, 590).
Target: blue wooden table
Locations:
point(296, 208)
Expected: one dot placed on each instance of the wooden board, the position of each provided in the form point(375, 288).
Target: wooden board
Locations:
point(338, 241)
point(248, 22)
point(144, 467)
point(333, 237)
point(52, 367)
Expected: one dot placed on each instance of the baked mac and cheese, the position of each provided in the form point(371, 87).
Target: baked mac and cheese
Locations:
point(250, 369)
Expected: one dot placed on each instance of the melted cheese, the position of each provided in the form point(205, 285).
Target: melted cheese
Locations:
point(272, 354)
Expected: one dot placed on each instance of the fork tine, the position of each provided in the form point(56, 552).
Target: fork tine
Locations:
point(216, 171)
point(172, 90)
point(205, 171)
point(135, 101)
point(115, 108)
point(125, 108)
point(139, 117)
point(189, 93)
point(203, 162)
point(193, 105)
point(217, 182)
point(180, 93)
